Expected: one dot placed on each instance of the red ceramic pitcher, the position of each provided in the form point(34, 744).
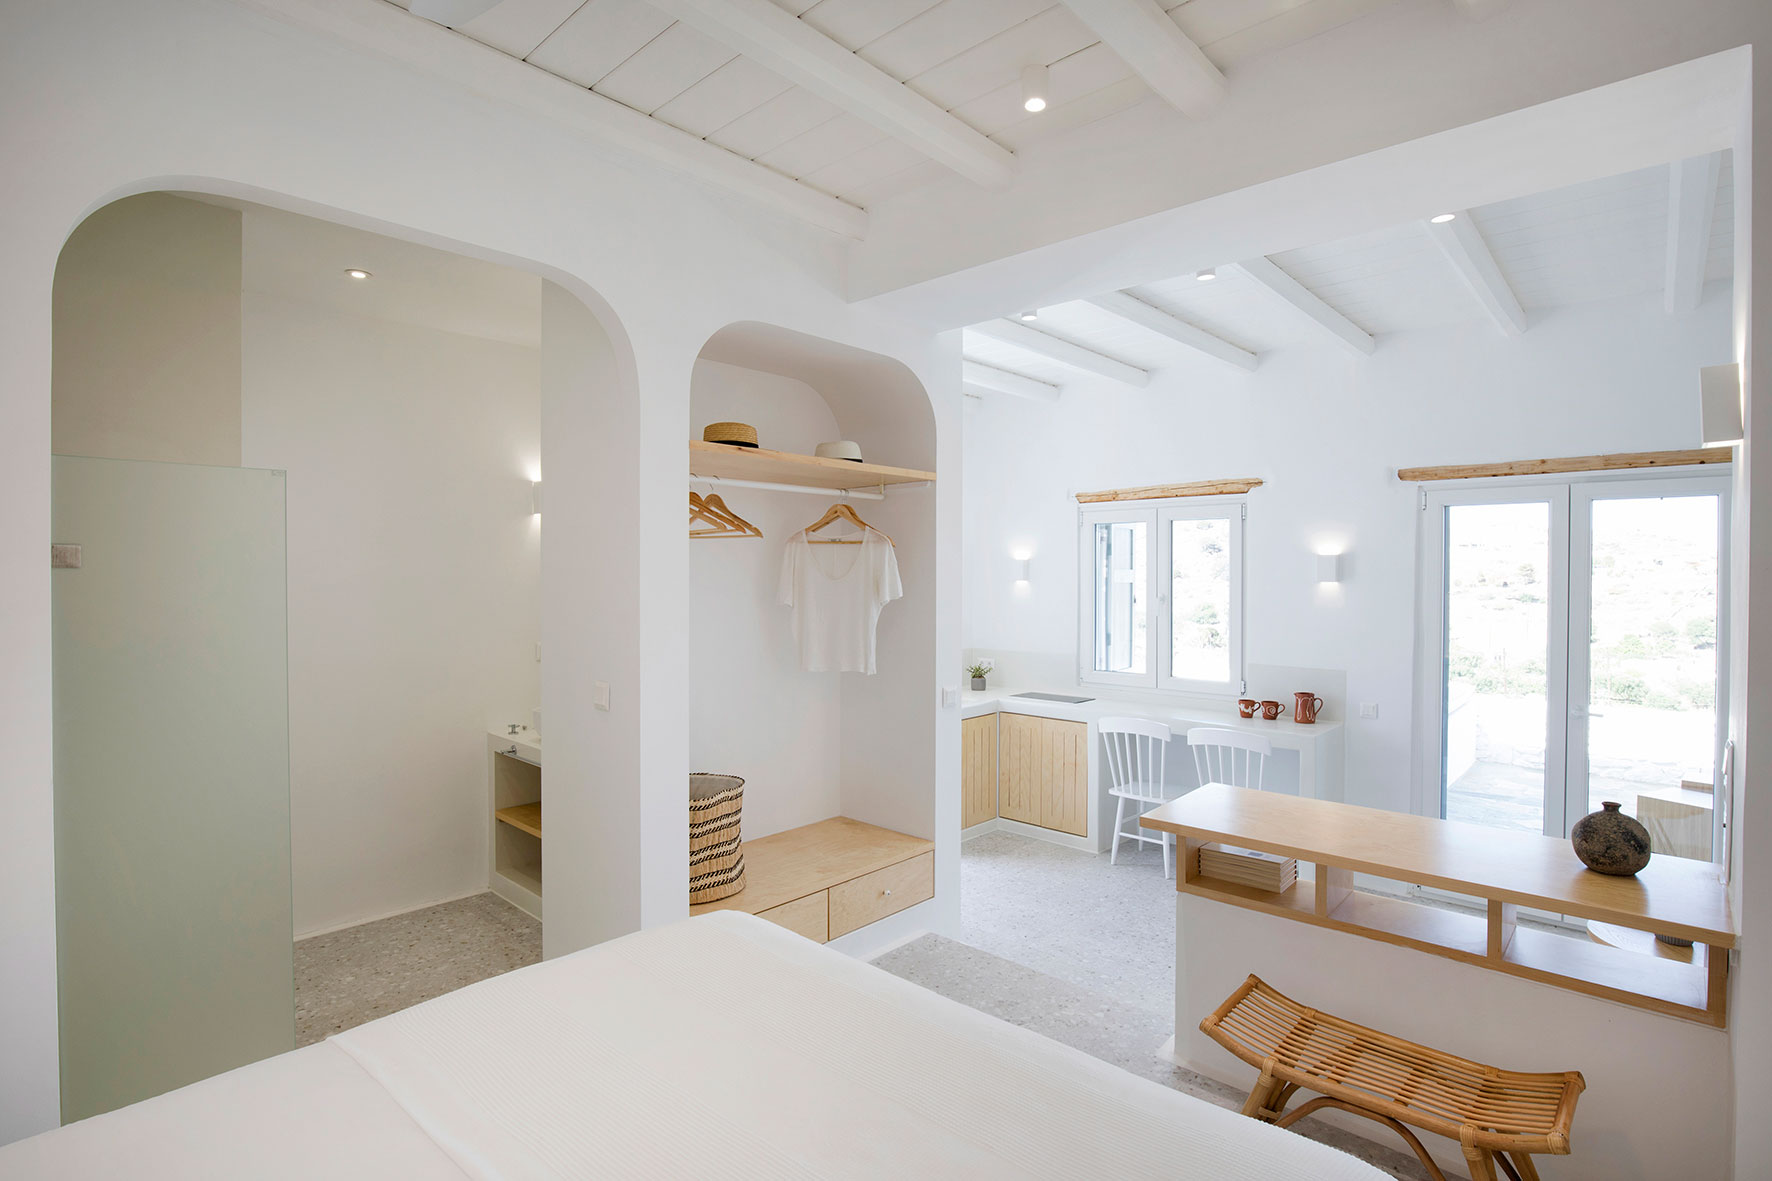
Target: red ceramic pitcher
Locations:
point(1305, 712)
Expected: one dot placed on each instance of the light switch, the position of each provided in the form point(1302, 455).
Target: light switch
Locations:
point(538, 651)
point(600, 694)
point(1368, 709)
point(950, 696)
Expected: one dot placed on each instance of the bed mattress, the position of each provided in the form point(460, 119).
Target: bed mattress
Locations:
point(719, 1046)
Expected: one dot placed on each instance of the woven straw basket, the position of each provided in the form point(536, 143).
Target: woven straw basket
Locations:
point(716, 854)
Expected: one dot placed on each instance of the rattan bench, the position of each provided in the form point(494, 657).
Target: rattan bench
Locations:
point(1495, 1115)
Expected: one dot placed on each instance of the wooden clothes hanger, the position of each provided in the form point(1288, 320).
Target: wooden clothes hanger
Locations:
point(842, 512)
point(720, 520)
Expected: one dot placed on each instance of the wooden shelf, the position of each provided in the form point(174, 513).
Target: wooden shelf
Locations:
point(802, 861)
point(725, 462)
point(523, 818)
point(1503, 870)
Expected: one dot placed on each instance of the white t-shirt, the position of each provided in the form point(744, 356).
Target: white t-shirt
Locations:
point(836, 592)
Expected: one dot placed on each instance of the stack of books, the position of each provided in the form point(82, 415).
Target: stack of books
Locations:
point(1249, 867)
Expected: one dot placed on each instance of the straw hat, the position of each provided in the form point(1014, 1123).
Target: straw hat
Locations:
point(734, 434)
point(841, 449)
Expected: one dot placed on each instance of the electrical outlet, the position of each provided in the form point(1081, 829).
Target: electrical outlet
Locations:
point(1368, 709)
point(600, 694)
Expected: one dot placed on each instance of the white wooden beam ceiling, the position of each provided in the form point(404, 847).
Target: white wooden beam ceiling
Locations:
point(1692, 198)
point(792, 48)
point(397, 35)
point(1145, 38)
point(1133, 310)
point(1064, 352)
point(989, 377)
point(1462, 244)
point(1293, 294)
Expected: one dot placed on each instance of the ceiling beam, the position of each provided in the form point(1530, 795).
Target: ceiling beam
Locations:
point(1146, 39)
point(1462, 244)
point(1691, 204)
point(989, 377)
point(1134, 310)
point(1293, 294)
point(396, 35)
point(1017, 335)
point(775, 39)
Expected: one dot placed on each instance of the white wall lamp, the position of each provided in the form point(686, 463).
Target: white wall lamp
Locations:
point(1024, 565)
point(1328, 567)
point(1033, 88)
point(1719, 405)
point(535, 497)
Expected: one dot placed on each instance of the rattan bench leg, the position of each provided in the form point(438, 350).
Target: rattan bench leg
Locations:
point(1427, 1162)
point(1482, 1161)
point(1262, 1093)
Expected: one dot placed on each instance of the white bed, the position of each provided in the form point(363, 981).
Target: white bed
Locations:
point(720, 1046)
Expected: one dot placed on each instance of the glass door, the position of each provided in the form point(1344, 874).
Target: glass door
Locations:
point(1497, 686)
point(1649, 562)
point(174, 926)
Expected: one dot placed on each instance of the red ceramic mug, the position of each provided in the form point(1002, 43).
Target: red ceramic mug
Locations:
point(1306, 711)
point(1270, 710)
point(1246, 707)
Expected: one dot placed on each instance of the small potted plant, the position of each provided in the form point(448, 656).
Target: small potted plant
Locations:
point(979, 671)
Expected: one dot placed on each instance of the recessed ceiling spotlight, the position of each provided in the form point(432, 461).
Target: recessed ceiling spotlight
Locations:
point(1033, 88)
point(357, 273)
point(1031, 314)
point(1441, 219)
point(1205, 276)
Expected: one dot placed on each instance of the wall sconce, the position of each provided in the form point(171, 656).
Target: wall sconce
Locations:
point(1024, 562)
point(535, 497)
point(1328, 567)
point(1719, 405)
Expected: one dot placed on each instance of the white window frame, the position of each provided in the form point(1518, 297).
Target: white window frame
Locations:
point(1566, 740)
point(1158, 518)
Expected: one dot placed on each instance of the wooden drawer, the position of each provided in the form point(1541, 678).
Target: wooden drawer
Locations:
point(808, 916)
point(873, 896)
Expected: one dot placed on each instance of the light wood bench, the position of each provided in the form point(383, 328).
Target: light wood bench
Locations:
point(1497, 1116)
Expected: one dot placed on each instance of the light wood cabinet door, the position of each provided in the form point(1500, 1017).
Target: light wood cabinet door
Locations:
point(1064, 776)
point(1018, 768)
point(1044, 772)
point(978, 773)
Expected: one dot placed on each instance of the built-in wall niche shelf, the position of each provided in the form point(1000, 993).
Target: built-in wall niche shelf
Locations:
point(514, 805)
point(1500, 870)
point(522, 817)
point(755, 465)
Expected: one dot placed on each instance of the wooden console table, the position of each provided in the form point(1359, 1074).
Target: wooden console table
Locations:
point(1502, 870)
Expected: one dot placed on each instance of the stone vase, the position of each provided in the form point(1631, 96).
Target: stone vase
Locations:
point(1610, 842)
point(977, 684)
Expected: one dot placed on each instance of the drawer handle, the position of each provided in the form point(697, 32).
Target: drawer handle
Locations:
point(886, 893)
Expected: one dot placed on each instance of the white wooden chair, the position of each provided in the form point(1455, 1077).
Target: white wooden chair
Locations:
point(1216, 756)
point(1135, 756)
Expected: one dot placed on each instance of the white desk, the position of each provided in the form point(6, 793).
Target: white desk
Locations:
point(1319, 746)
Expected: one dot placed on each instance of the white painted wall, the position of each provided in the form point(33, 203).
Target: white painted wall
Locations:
point(147, 340)
point(1327, 433)
point(414, 575)
point(752, 711)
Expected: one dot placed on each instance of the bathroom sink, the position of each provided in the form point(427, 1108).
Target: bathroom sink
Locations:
point(1065, 698)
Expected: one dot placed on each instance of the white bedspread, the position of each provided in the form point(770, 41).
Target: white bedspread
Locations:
point(721, 1046)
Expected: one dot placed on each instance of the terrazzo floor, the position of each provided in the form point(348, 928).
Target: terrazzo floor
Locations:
point(1060, 942)
point(368, 971)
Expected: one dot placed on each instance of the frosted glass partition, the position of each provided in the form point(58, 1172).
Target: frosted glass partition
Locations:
point(173, 912)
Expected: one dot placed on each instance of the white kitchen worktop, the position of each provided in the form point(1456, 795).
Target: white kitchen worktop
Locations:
point(1317, 747)
point(1283, 731)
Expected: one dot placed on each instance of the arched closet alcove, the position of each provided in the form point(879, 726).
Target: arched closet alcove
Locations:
point(297, 450)
point(813, 745)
